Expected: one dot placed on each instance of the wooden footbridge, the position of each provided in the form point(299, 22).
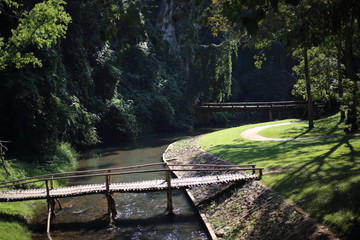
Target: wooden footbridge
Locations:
point(23, 189)
point(270, 107)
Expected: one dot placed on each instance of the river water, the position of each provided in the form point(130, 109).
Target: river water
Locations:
point(140, 215)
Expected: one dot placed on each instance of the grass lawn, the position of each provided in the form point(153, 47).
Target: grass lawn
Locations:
point(326, 126)
point(321, 176)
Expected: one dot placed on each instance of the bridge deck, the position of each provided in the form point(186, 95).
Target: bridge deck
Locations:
point(140, 186)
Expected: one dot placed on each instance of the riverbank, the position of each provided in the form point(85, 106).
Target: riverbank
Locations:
point(15, 217)
point(244, 211)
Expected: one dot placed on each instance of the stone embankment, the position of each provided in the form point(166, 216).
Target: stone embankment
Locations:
point(247, 210)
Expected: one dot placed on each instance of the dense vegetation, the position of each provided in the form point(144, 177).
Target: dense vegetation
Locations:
point(86, 72)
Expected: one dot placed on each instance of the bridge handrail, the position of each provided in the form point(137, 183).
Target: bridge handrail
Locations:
point(251, 103)
point(42, 177)
point(109, 173)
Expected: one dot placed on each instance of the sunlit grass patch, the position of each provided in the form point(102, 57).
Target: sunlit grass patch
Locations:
point(8, 229)
point(320, 175)
point(323, 127)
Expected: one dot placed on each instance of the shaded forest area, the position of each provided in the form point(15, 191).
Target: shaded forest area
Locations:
point(88, 71)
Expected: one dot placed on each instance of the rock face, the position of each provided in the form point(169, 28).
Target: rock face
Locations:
point(246, 210)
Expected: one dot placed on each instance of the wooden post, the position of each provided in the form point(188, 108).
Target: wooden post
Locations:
point(52, 182)
point(110, 200)
point(50, 206)
point(52, 199)
point(169, 209)
point(253, 171)
point(270, 115)
point(55, 199)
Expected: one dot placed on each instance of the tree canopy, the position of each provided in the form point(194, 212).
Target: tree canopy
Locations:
point(37, 26)
point(95, 71)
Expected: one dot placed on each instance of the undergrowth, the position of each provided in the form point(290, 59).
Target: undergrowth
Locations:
point(16, 216)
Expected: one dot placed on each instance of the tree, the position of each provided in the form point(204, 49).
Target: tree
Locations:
point(303, 25)
point(323, 70)
point(39, 26)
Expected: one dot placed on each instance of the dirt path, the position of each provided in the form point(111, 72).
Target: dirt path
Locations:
point(253, 134)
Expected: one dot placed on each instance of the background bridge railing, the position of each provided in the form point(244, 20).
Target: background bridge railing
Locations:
point(203, 109)
point(248, 105)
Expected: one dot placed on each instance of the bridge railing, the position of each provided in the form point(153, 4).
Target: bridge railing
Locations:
point(49, 179)
point(251, 104)
point(71, 175)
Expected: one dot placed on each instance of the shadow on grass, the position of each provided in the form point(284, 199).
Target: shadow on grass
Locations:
point(324, 185)
point(323, 127)
point(13, 218)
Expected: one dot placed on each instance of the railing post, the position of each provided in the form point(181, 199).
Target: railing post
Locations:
point(47, 189)
point(56, 199)
point(52, 182)
point(253, 167)
point(107, 183)
point(50, 206)
point(169, 209)
point(110, 199)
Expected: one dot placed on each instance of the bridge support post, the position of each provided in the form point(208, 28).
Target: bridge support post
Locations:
point(111, 207)
point(169, 208)
point(51, 204)
point(110, 200)
point(270, 115)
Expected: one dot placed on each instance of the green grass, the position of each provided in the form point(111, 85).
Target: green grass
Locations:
point(16, 216)
point(323, 127)
point(321, 176)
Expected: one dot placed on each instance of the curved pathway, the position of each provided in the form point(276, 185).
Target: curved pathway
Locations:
point(253, 134)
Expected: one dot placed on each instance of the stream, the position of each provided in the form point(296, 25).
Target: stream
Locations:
point(140, 215)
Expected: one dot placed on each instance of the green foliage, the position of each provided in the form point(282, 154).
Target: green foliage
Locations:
point(324, 76)
point(118, 122)
point(62, 159)
point(16, 216)
point(212, 71)
point(41, 27)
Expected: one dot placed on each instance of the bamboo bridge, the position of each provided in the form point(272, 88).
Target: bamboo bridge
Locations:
point(23, 189)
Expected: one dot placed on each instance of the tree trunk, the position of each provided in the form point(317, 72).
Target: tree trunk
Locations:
point(340, 79)
point(165, 24)
point(351, 74)
point(308, 89)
